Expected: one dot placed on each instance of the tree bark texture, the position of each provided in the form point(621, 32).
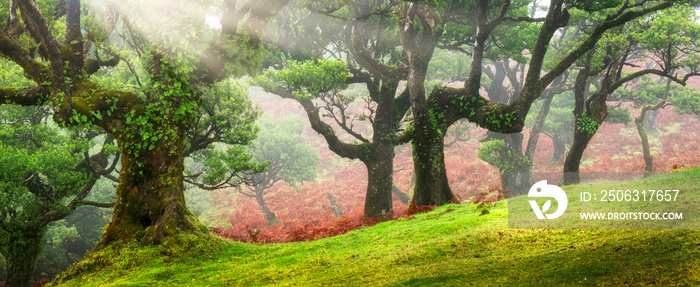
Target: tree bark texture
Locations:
point(270, 217)
point(380, 169)
point(150, 202)
point(589, 114)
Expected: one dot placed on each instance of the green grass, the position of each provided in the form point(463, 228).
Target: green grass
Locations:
point(451, 246)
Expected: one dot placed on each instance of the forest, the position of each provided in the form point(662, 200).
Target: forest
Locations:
point(350, 143)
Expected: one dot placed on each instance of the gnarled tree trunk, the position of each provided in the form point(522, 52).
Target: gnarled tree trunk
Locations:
point(270, 217)
point(150, 200)
point(589, 115)
point(380, 169)
point(432, 186)
point(641, 123)
point(573, 157)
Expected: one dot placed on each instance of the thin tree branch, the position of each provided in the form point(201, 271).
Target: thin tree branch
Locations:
point(97, 204)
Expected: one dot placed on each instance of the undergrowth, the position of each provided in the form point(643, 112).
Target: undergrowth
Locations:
point(283, 233)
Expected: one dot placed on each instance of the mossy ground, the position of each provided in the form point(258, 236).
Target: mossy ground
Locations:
point(451, 246)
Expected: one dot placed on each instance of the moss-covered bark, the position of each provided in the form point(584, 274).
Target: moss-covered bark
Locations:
point(21, 252)
point(150, 200)
point(380, 169)
point(432, 186)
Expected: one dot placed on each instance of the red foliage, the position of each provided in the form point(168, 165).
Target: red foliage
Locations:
point(414, 208)
point(294, 232)
point(675, 166)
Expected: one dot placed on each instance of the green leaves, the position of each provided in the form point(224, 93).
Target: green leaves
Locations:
point(230, 166)
point(309, 79)
point(281, 143)
point(53, 166)
point(618, 115)
point(685, 100)
point(11, 75)
point(497, 153)
point(596, 5)
point(671, 36)
point(586, 125)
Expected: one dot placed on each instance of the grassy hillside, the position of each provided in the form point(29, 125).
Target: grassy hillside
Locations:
point(452, 246)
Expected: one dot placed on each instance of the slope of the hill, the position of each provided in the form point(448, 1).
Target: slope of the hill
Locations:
point(454, 245)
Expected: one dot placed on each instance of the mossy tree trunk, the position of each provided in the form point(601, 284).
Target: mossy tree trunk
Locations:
point(379, 158)
point(20, 254)
point(150, 202)
point(432, 186)
point(380, 169)
point(429, 128)
point(150, 205)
